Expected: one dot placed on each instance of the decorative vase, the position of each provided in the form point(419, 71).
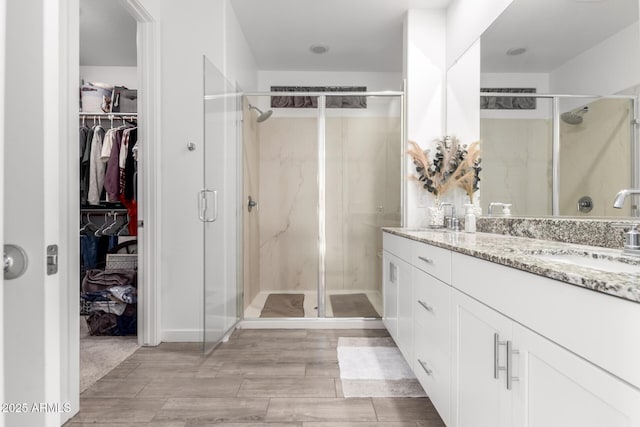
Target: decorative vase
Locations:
point(436, 216)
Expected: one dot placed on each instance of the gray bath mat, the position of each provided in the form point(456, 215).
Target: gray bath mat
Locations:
point(283, 305)
point(352, 305)
point(374, 367)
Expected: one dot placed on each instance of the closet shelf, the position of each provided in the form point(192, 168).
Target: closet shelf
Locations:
point(87, 114)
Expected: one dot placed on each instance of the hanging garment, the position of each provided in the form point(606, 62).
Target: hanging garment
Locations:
point(130, 166)
point(96, 167)
point(89, 251)
point(84, 167)
point(122, 159)
point(107, 144)
point(112, 176)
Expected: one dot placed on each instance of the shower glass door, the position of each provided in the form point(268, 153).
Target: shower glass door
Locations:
point(217, 206)
point(363, 153)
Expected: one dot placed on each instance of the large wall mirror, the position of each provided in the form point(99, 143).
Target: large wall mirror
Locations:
point(560, 80)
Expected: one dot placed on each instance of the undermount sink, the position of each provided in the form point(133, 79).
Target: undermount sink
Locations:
point(603, 264)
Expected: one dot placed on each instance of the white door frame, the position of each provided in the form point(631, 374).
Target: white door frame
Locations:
point(149, 181)
point(149, 202)
point(2, 109)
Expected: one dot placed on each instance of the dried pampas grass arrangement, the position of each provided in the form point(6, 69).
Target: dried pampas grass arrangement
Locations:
point(453, 165)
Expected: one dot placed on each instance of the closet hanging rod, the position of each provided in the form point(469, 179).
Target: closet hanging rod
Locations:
point(102, 210)
point(87, 114)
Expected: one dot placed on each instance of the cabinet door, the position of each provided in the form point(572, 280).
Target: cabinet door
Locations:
point(390, 293)
point(405, 310)
point(479, 393)
point(432, 339)
point(558, 388)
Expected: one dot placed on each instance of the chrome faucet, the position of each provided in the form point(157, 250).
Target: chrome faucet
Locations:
point(450, 222)
point(622, 195)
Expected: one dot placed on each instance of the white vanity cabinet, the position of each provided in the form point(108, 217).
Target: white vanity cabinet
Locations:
point(556, 388)
point(422, 302)
point(432, 339)
point(398, 292)
point(508, 375)
point(479, 393)
point(495, 346)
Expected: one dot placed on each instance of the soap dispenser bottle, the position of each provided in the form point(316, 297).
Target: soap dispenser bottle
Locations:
point(469, 219)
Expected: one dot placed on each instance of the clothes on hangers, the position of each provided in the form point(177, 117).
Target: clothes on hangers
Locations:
point(112, 177)
point(108, 163)
point(85, 155)
point(96, 167)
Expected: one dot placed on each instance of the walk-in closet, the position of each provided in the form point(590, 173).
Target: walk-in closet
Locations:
point(108, 164)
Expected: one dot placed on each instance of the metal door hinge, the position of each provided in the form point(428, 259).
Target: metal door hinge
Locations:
point(52, 259)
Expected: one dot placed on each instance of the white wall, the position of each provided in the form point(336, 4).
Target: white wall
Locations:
point(424, 69)
point(120, 76)
point(466, 21)
point(463, 86)
point(607, 68)
point(190, 29)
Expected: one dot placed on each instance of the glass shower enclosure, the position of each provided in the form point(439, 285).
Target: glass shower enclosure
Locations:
point(323, 174)
point(217, 205)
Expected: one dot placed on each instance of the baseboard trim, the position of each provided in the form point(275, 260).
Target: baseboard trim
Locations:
point(181, 335)
point(310, 323)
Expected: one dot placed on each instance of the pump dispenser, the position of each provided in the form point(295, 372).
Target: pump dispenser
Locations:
point(469, 219)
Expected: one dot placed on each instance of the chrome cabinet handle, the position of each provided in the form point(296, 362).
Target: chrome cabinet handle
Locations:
point(393, 272)
point(427, 260)
point(496, 356)
point(510, 353)
point(509, 360)
point(426, 306)
point(425, 367)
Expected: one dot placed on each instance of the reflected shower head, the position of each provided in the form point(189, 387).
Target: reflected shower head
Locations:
point(574, 117)
point(261, 116)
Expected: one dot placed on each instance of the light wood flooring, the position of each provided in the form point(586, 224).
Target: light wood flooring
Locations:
point(260, 378)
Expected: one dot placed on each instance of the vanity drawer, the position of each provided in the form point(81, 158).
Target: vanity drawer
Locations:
point(433, 260)
point(398, 246)
point(433, 370)
point(431, 311)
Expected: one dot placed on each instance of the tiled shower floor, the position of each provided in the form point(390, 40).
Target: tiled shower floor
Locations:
point(310, 302)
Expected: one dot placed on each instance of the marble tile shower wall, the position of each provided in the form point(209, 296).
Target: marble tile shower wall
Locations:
point(594, 161)
point(360, 179)
point(251, 187)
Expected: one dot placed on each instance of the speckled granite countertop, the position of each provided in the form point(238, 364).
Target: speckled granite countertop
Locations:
point(529, 255)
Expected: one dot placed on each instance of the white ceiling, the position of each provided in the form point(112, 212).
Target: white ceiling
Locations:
point(553, 31)
point(366, 35)
point(363, 35)
point(107, 34)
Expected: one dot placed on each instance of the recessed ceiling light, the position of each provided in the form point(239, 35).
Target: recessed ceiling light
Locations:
point(319, 48)
point(516, 51)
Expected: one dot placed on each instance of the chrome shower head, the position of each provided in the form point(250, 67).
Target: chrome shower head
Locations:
point(261, 116)
point(574, 117)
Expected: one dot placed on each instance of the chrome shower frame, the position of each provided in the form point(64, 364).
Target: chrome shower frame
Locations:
point(322, 241)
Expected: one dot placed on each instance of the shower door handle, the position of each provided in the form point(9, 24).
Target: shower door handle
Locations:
point(203, 205)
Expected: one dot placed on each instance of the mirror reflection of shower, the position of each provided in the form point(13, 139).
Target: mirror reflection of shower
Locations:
point(262, 116)
point(574, 117)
